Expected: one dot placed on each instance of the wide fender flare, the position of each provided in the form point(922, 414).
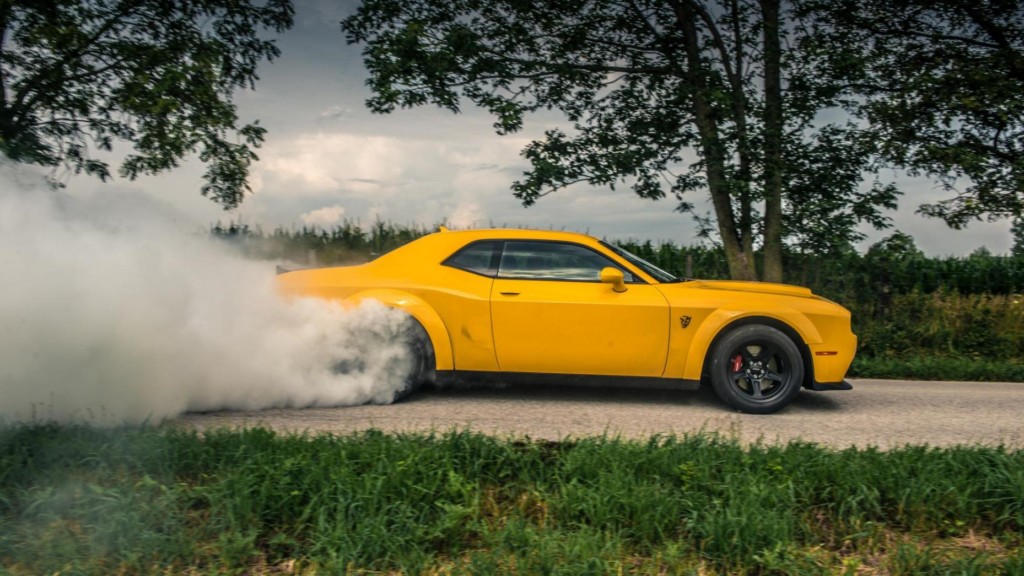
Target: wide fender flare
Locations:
point(421, 311)
point(725, 316)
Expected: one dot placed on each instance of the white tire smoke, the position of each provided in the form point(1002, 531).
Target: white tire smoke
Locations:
point(111, 312)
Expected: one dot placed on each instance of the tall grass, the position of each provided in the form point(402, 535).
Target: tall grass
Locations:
point(81, 500)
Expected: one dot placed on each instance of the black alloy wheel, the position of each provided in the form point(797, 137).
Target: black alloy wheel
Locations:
point(756, 369)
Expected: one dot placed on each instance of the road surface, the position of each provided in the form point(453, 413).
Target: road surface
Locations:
point(883, 413)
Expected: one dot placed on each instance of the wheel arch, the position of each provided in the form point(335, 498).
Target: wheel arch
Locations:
point(700, 355)
point(422, 312)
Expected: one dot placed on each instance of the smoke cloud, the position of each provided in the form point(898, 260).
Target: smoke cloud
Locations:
point(115, 310)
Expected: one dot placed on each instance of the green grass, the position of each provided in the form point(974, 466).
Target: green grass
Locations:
point(937, 368)
point(83, 500)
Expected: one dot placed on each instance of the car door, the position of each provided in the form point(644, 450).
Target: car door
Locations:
point(550, 313)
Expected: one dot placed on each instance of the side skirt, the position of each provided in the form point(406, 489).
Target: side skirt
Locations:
point(464, 377)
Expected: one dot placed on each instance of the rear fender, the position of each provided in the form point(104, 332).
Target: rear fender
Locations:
point(421, 311)
point(723, 317)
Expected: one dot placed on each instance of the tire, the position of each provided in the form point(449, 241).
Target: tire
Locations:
point(410, 334)
point(422, 355)
point(756, 369)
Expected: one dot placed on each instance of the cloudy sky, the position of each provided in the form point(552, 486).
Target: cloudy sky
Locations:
point(327, 158)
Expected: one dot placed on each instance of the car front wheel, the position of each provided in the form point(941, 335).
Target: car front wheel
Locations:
point(756, 369)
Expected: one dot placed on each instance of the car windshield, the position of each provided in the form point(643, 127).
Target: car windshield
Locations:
point(652, 270)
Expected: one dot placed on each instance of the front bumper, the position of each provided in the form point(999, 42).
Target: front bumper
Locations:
point(826, 386)
point(833, 357)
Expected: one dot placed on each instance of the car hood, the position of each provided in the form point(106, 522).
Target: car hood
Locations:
point(758, 287)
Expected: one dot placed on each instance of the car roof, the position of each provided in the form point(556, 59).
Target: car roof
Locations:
point(520, 233)
point(433, 248)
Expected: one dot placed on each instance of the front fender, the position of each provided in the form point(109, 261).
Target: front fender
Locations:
point(721, 318)
point(421, 311)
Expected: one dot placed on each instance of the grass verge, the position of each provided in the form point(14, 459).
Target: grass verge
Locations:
point(78, 499)
point(937, 368)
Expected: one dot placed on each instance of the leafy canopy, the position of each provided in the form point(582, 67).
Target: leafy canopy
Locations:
point(664, 97)
point(942, 82)
point(598, 63)
point(77, 75)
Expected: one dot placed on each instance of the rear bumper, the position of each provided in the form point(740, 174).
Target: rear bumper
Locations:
point(826, 386)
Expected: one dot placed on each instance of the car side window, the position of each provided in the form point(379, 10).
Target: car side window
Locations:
point(478, 257)
point(554, 261)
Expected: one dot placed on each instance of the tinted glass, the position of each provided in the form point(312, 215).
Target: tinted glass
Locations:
point(658, 274)
point(553, 261)
point(477, 257)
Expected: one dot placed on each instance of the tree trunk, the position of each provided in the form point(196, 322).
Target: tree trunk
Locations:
point(742, 142)
point(5, 14)
point(741, 267)
point(772, 142)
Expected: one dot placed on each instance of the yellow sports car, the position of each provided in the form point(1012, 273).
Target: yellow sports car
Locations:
point(554, 307)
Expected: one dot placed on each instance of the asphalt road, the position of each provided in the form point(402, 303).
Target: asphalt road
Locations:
point(883, 413)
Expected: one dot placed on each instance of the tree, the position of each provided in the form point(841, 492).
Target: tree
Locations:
point(77, 75)
point(1018, 238)
point(824, 207)
point(942, 83)
point(669, 97)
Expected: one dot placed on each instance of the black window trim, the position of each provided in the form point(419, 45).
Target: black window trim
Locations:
point(497, 254)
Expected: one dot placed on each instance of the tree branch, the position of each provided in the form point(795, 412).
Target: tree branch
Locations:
point(643, 18)
point(716, 38)
point(565, 185)
point(584, 67)
point(997, 34)
point(42, 80)
point(5, 14)
point(633, 47)
point(931, 36)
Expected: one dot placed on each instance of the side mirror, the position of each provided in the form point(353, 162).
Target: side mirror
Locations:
point(614, 277)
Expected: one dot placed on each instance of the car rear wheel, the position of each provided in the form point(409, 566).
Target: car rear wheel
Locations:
point(407, 371)
point(756, 369)
point(421, 366)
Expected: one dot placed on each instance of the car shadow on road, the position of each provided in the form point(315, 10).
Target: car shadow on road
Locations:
point(811, 401)
point(703, 398)
point(558, 393)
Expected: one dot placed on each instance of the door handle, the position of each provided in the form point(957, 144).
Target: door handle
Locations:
point(509, 293)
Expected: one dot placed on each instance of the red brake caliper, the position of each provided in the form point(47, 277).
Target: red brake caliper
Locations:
point(737, 363)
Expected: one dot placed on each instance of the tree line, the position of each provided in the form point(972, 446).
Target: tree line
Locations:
point(892, 266)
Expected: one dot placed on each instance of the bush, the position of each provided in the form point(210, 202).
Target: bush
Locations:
point(937, 368)
point(946, 324)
